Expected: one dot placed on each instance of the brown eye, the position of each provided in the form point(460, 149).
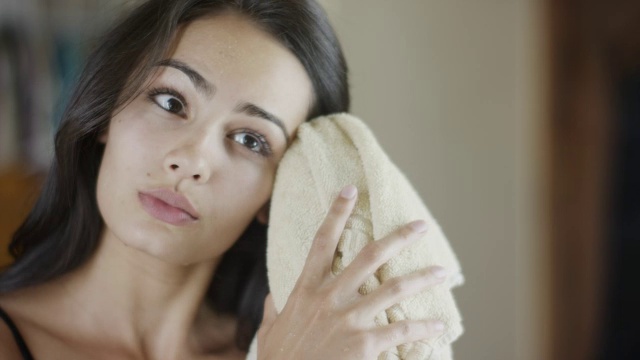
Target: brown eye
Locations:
point(254, 142)
point(169, 103)
point(248, 140)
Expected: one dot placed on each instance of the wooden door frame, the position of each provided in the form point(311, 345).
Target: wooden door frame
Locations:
point(591, 44)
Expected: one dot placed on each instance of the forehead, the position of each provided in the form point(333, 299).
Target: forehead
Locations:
point(228, 35)
point(245, 63)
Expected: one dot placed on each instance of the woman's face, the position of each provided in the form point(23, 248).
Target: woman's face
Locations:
point(190, 162)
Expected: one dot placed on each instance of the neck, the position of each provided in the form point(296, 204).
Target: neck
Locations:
point(135, 299)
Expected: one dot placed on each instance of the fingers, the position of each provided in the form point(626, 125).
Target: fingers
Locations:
point(397, 289)
point(403, 332)
point(320, 257)
point(372, 256)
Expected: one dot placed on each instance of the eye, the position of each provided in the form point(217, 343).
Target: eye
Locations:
point(169, 103)
point(169, 100)
point(254, 142)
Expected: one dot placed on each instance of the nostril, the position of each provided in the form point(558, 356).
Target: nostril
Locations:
point(174, 166)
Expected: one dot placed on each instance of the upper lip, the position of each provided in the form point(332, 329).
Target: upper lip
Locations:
point(174, 199)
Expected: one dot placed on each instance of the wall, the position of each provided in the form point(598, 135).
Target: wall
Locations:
point(452, 91)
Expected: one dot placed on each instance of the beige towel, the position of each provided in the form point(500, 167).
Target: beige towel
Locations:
point(328, 154)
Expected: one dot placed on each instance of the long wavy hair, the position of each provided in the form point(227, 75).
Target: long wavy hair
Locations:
point(62, 230)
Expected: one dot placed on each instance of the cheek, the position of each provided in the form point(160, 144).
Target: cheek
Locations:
point(234, 202)
point(133, 146)
point(239, 195)
point(132, 160)
point(121, 160)
point(125, 163)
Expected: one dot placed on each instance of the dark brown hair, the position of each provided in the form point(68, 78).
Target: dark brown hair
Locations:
point(62, 230)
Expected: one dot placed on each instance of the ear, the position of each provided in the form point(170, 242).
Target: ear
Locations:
point(263, 214)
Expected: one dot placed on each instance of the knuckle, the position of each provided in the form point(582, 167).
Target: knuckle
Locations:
point(306, 284)
point(406, 233)
point(364, 341)
point(321, 236)
point(392, 337)
point(339, 206)
point(397, 285)
point(305, 288)
point(372, 252)
point(321, 240)
point(405, 329)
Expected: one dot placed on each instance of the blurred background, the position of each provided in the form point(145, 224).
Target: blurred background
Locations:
point(518, 121)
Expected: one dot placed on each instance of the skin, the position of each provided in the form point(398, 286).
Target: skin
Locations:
point(141, 295)
point(326, 317)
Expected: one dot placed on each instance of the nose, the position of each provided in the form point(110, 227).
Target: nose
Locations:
point(193, 159)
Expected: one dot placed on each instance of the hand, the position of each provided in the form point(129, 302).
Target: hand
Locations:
point(325, 316)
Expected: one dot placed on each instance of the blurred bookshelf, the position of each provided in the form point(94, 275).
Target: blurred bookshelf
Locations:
point(43, 44)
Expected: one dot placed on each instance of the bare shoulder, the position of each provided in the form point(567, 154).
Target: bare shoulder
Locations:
point(17, 305)
point(39, 314)
point(8, 347)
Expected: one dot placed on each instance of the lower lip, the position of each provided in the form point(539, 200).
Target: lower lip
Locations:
point(165, 212)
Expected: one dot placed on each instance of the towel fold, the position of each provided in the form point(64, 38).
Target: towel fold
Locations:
point(329, 153)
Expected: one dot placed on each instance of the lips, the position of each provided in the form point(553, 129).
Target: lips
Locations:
point(168, 206)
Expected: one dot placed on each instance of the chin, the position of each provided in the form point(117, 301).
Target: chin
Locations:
point(172, 249)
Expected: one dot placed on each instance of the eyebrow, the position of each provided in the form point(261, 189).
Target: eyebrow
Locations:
point(200, 83)
point(205, 87)
point(254, 110)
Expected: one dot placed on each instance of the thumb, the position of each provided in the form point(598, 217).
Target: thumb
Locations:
point(270, 313)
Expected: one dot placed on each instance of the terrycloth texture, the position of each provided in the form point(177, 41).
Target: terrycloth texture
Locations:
point(328, 154)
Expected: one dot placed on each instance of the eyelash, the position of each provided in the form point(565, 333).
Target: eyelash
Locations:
point(265, 150)
point(264, 144)
point(153, 93)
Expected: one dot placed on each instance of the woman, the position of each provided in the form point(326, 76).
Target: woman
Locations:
point(148, 239)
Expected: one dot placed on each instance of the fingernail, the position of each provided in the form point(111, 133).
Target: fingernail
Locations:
point(419, 226)
point(440, 272)
point(349, 192)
